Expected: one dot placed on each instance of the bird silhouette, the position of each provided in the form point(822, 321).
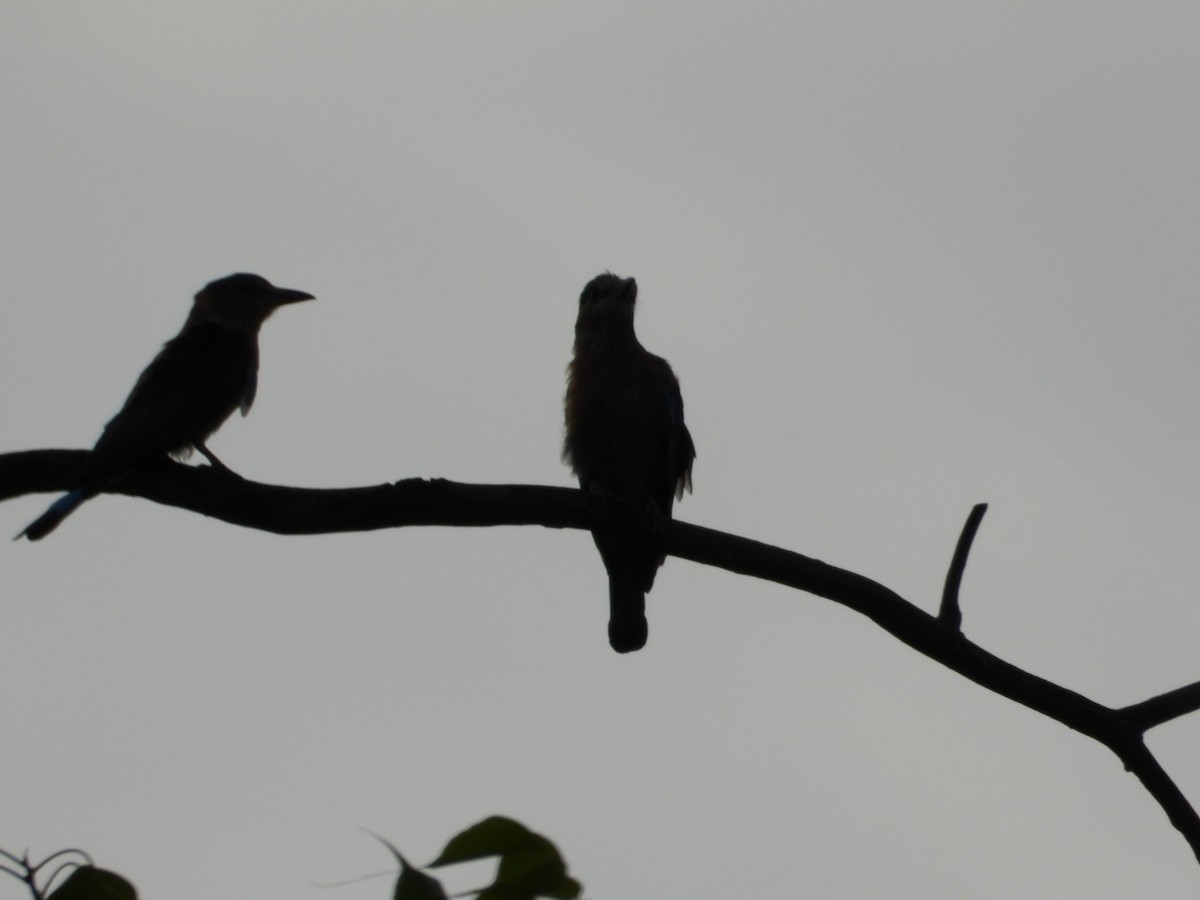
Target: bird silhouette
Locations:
point(625, 438)
point(190, 388)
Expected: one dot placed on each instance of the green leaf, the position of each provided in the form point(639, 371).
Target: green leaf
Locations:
point(90, 883)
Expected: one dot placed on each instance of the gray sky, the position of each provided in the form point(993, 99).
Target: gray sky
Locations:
point(903, 258)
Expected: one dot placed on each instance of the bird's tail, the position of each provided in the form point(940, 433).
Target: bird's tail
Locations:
point(50, 519)
point(627, 627)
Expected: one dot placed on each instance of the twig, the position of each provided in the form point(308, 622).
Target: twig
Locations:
point(950, 614)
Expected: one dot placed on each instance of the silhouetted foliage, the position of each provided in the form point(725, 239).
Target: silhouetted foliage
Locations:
point(530, 867)
point(84, 882)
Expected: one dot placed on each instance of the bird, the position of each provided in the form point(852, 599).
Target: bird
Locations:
point(625, 440)
point(190, 388)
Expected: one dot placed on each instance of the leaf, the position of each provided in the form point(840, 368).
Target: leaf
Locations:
point(527, 875)
point(530, 865)
point(413, 884)
point(90, 883)
point(494, 836)
point(566, 888)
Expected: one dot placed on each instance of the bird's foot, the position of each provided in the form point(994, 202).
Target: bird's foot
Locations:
point(635, 515)
point(598, 492)
point(215, 462)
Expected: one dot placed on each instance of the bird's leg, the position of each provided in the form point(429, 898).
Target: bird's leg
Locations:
point(654, 520)
point(214, 462)
point(595, 491)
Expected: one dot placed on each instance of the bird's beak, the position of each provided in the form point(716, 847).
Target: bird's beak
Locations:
point(280, 296)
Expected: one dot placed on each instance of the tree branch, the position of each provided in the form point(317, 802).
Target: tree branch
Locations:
point(1163, 708)
point(414, 501)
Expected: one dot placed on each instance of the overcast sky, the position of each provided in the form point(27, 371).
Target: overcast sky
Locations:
point(903, 257)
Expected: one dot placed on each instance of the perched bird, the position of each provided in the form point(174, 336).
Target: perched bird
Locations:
point(197, 380)
point(625, 438)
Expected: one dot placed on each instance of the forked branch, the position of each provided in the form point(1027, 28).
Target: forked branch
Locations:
point(286, 510)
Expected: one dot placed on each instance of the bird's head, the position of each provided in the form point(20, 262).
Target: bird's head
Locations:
point(242, 301)
point(607, 298)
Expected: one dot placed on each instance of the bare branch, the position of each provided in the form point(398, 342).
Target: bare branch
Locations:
point(414, 501)
point(1163, 708)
